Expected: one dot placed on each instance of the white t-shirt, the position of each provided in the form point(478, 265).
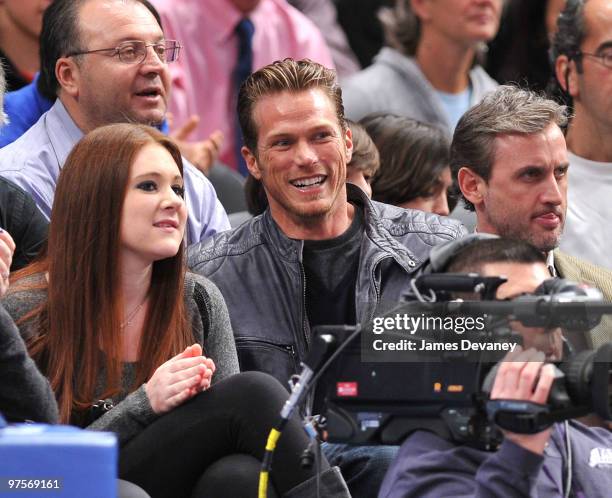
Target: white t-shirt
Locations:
point(588, 227)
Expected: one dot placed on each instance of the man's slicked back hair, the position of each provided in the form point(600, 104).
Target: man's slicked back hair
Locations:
point(287, 75)
point(508, 110)
point(60, 36)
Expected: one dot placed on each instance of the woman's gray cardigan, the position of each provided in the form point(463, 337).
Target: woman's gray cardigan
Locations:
point(211, 328)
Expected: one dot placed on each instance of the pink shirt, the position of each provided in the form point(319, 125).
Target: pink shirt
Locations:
point(202, 77)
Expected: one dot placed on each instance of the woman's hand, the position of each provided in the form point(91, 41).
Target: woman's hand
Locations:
point(196, 350)
point(7, 248)
point(179, 379)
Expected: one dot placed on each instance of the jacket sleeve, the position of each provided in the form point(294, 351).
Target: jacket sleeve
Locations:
point(25, 393)
point(219, 341)
point(128, 418)
point(20, 217)
point(29, 228)
point(428, 467)
point(511, 471)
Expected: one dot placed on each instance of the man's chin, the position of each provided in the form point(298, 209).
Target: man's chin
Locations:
point(154, 119)
point(310, 210)
point(546, 243)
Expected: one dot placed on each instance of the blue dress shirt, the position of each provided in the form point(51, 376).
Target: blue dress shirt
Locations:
point(23, 108)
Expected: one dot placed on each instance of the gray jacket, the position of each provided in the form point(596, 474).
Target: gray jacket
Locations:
point(260, 274)
point(394, 83)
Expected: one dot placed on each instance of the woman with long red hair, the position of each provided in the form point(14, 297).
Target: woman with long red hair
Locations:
point(131, 343)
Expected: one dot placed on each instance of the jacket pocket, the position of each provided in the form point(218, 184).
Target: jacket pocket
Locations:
point(278, 360)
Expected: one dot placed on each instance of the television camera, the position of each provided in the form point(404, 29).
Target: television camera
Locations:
point(379, 392)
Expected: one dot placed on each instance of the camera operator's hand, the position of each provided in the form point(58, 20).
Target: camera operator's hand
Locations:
point(524, 376)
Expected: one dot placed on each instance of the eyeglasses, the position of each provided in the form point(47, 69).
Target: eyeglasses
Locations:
point(605, 58)
point(135, 51)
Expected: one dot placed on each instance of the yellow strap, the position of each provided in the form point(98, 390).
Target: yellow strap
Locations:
point(263, 475)
point(263, 485)
point(272, 440)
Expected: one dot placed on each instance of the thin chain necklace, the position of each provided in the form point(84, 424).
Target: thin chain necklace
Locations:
point(130, 318)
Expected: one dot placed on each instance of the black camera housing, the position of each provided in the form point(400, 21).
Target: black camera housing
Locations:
point(383, 402)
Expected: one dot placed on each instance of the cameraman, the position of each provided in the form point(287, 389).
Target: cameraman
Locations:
point(524, 465)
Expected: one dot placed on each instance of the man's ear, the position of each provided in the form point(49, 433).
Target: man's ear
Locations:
point(567, 75)
point(472, 185)
point(251, 162)
point(68, 75)
point(348, 143)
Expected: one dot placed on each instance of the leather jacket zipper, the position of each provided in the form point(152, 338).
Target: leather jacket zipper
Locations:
point(376, 288)
point(305, 326)
point(256, 340)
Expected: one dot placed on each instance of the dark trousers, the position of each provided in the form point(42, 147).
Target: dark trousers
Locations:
point(171, 456)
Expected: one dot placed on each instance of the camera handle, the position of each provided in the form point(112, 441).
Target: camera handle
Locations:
point(525, 417)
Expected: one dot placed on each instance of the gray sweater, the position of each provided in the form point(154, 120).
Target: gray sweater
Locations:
point(211, 328)
point(394, 83)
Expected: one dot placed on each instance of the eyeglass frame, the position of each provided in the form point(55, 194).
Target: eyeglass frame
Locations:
point(580, 54)
point(116, 51)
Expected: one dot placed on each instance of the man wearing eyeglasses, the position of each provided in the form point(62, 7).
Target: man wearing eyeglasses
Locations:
point(107, 62)
point(582, 50)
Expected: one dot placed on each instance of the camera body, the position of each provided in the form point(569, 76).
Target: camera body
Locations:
point(370, 399)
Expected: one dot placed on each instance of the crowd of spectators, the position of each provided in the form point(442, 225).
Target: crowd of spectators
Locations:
point(188, 188)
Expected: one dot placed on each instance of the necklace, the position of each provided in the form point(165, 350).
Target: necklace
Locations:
point(130, 318)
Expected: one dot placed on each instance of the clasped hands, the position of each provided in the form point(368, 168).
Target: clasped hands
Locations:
point(179, 379)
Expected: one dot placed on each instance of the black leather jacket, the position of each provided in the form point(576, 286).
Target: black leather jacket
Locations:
point(260, 274)
point(20, 217)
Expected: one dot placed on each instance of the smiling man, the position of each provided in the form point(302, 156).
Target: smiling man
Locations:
point(510, 161)
point(322, 253)
point(107, 62)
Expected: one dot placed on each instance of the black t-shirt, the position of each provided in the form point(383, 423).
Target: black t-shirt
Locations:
point(331, 273)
